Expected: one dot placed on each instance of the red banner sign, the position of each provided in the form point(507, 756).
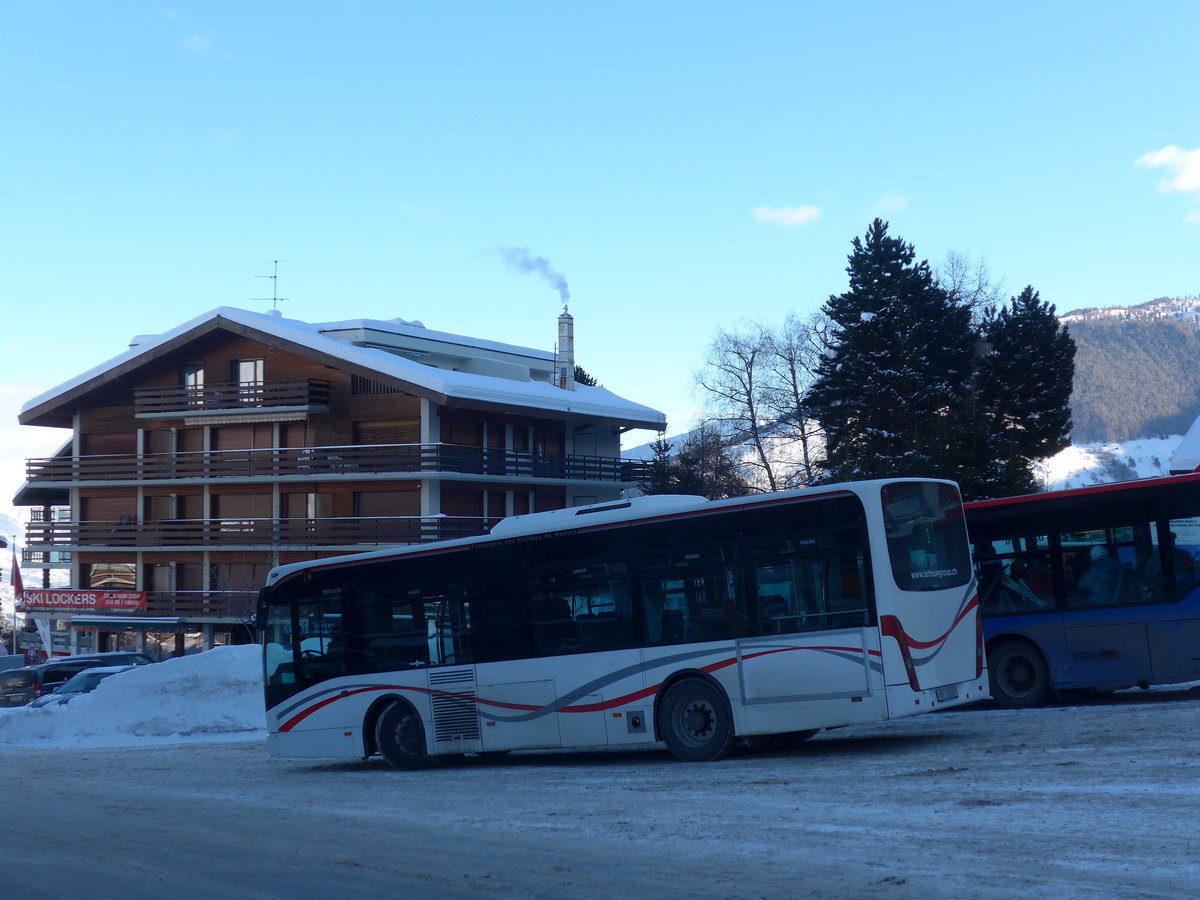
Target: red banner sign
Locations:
point(84, 601)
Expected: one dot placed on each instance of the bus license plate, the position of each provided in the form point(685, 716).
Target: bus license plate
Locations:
point(946, 693)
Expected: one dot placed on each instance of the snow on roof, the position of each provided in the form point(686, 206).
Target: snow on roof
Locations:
point(417, 330)
point(1187, 454)
point(585, 401)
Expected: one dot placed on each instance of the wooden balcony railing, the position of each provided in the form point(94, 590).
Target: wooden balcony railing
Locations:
point(295, 462)
point(311, 392)
point(227, 604)
point(264, 533)
point(239, 605)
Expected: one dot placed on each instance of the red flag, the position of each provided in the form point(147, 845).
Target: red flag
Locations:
point(15, 578)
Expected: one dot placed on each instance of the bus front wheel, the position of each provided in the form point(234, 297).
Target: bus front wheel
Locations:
point(694, 721)
point(400, 737)
point(1019, 677)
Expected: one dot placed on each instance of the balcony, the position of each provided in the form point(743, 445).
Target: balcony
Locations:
point(265, 534)
point(202, 604)
point(171, 605)
point(311, 395)
point(45, 559)
point(325, 462)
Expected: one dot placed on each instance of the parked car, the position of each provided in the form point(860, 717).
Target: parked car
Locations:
point(110, 658)
point(82, 682)
point(21, 686)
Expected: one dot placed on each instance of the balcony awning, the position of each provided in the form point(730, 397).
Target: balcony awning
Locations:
point(113, 622)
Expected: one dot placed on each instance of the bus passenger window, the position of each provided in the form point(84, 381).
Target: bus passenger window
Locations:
point(582, 607)
point(553, 626)
point(812, 583)
point(1103, 566)
point(691, 601)
point(1183, 554)
point(394, 633)
point(1015, 575)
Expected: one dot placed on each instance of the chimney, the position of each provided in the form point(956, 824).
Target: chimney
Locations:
point(565, 357)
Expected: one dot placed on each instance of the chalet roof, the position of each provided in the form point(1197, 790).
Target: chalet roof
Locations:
point(511, 390)
point(1187, 454)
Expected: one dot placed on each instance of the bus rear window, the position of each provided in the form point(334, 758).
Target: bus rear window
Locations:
point(926, 536)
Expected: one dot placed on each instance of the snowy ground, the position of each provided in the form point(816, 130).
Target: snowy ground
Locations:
point(1097, 799)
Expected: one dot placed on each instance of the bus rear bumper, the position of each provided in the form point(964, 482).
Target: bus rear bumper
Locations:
point(904, 701)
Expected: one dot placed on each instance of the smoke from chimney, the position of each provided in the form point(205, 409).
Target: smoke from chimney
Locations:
point(525, 262)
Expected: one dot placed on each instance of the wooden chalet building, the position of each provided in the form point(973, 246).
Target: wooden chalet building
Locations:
point(200, 458)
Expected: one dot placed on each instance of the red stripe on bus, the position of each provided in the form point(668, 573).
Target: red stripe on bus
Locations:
point(891, 627)
point(584, 707)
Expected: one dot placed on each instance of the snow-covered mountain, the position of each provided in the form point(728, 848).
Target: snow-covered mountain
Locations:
point(1179, 309)
point(1087, 464)
point(1077, 466)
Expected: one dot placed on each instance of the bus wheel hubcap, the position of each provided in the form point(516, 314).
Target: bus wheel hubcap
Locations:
point(698, 720)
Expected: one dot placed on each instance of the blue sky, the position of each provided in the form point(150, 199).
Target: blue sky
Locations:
point(685, 166)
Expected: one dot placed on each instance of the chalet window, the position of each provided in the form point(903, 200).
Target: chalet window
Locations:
point(247, 374)
point(191, 375)
point(247, 371)
point(191, 379)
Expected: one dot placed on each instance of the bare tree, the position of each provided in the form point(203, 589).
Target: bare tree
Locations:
point(970, 283)
point(733, 375)
point(791, 364)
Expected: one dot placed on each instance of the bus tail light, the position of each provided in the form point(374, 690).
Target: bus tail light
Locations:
point(978, 644)
point(892, 628)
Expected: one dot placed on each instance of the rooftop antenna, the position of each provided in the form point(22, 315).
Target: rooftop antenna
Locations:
point(275, 298)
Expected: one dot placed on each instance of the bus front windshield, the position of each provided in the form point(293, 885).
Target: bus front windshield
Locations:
point(926, 536)
point(303, 642)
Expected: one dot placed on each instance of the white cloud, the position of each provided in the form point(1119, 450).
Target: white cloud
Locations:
point(1183, 175)
point(787, 216)
point(1183, 169)
point(199, 43)
point(887, 204)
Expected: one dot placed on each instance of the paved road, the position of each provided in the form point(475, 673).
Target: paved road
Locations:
point(1098, 799)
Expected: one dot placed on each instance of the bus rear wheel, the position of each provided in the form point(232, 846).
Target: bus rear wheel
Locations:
point(694, 721)
point(400, 737)
point(1018, 673)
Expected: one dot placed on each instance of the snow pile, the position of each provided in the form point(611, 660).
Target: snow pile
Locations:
point(209, 696)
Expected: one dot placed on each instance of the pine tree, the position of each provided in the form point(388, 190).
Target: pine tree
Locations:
point(705, 467)
point(1024, 383)
point(893, 388)
point(583, 377)
point(659, 478)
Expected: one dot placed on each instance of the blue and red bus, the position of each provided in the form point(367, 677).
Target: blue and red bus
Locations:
point(1089, 589)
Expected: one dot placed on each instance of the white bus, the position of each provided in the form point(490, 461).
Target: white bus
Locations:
point(675, 619)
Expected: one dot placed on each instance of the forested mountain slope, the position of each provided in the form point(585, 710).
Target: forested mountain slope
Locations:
point(1137, 371)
